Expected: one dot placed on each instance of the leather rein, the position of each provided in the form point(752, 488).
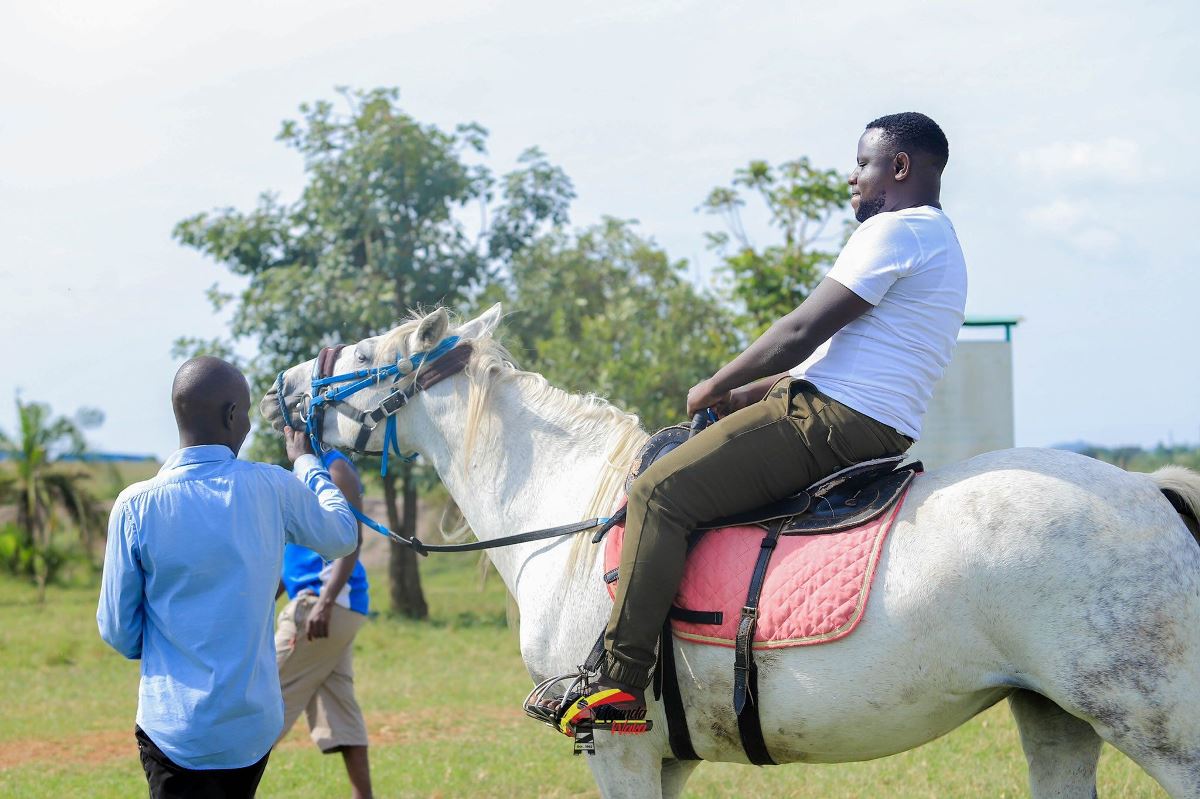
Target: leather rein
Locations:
point(409, 375)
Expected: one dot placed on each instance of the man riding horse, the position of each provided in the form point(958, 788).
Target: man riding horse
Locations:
point(844, 378)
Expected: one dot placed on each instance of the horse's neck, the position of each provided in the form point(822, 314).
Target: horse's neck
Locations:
point(525, 474)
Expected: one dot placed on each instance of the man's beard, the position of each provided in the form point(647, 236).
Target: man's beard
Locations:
point(868, 208)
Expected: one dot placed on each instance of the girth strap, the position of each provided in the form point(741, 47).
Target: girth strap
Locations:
point(689, 616)
point(686, 615)
point(746, 698)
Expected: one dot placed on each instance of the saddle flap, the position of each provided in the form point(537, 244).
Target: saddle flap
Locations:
point(852, 504)
point(857, 475)
point(784, 508)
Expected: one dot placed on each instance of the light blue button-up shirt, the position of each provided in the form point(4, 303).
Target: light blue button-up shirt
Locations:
point(190, 573)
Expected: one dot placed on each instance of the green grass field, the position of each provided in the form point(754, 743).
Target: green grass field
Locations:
point(66, 723)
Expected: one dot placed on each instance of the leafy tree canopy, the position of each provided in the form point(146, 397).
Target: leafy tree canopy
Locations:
point(770, 281)
point(1137, 459)
point(378, 231)
point(606, 311)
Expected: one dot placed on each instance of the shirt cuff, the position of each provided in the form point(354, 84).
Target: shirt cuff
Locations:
point(305, 464)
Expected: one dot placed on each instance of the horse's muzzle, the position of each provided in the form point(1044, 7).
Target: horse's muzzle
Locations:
point(268, 406)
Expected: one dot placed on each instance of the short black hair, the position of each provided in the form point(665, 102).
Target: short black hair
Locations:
point(914, 131)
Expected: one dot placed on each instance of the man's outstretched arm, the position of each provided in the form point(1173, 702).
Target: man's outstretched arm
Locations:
point(316, 514)
point(317, 625)
point(789, 341)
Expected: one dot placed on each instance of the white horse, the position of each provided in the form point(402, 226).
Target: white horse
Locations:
point(1068, 586)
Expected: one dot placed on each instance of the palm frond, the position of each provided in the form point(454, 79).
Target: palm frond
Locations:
point(69, 489)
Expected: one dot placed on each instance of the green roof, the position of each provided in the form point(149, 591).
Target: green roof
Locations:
point(992, 321)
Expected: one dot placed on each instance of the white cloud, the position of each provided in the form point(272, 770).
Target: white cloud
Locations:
point(1077, 224)
point(1056, 215)
point(1108, 160)
point(1094, 240)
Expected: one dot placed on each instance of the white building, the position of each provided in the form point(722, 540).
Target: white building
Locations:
point(972, 406)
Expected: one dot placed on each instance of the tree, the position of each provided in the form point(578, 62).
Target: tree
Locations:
point(771, 281)
point(607, 311)
point(378, 231)
point(1136, 459)
point(41, 487)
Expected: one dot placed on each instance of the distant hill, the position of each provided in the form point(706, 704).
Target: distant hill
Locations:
point(1081, 447)
point(1138, 459)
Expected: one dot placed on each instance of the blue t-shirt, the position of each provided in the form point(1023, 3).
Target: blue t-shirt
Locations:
point(304, 571)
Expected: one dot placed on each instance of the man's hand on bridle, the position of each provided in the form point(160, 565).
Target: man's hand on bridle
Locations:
point(297, 443)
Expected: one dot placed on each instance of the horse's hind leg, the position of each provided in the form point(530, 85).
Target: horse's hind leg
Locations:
point(1163, 742)
point(1062, 751)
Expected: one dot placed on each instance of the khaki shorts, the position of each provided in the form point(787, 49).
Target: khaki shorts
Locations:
point(318, 676)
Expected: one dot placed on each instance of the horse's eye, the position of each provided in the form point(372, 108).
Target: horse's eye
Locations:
point(359, 355)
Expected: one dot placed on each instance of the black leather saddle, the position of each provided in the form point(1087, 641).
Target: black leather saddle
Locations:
point(853, 496)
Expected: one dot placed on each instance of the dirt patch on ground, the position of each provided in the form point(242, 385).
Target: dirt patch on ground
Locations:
point(84, 749)
point(387, 729)
point(384, 729)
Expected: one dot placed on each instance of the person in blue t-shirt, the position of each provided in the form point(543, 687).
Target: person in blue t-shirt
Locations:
point(315, 638)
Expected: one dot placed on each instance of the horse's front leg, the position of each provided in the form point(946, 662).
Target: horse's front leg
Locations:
point(627, 766)
point(675, 775)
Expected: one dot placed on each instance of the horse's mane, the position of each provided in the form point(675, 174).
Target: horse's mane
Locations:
point(587, 416)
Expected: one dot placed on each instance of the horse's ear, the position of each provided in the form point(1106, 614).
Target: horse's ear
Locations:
point(432, 329)
point(482, 325)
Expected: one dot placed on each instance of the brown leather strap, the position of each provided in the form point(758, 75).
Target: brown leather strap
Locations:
point(326, 358)
point(449, 364)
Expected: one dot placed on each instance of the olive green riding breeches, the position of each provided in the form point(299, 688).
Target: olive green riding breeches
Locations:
point(763, 453)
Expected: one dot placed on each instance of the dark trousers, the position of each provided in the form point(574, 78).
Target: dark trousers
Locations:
point(763, 453)
point(168, 780)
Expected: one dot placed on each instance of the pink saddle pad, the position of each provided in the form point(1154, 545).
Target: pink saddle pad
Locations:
point(815, 590)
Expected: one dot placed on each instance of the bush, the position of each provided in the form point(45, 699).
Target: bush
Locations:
point(15, 553)
point(64, 557)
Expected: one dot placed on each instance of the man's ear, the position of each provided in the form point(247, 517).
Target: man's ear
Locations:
point(901, 166)
point(432, 329)
point(228, 411)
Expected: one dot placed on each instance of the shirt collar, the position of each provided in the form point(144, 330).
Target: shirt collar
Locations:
point(206, 453)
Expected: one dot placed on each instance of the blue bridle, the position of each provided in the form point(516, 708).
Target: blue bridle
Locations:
point(324, 396)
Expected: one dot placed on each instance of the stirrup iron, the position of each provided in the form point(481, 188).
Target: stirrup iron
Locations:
point(548, 700)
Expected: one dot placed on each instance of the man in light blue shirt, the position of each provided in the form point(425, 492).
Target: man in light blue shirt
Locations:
point(192, 562)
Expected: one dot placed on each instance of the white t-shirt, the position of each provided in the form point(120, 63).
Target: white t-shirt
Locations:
point(909, 265)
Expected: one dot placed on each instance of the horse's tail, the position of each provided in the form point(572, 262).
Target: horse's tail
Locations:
point(1181, 487)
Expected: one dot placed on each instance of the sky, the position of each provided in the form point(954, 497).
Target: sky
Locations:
point(1071, 180)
